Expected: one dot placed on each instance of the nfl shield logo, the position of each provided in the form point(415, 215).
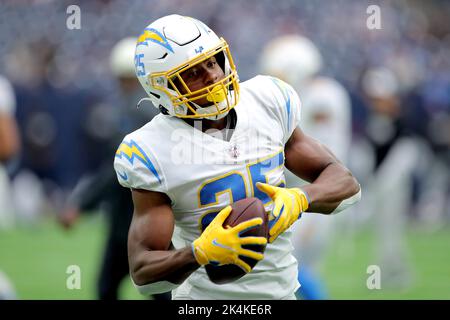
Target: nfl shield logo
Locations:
point(234, 151)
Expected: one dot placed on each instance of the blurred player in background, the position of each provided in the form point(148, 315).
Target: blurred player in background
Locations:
point(102, 189)
point(9, 146)
point(396, 158)
point(326, 116)
point(241, 136)
point(54, 118)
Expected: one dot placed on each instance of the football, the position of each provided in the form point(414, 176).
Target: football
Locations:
point(243, 210)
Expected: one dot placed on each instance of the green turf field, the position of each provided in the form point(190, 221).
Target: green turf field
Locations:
point(36, 259)
point(429, 267)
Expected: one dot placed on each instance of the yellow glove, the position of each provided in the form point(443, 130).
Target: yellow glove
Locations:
point(288, 205)
point(219, 245)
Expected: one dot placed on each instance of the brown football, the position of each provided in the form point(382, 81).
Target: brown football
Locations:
point(243, 210)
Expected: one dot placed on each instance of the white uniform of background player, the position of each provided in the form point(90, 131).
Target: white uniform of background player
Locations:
point(202, 174)
point(7, 108)
point(326, 116)
point(390, 186)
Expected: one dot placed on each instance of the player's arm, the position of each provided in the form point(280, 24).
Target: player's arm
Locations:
point(333, 188)
point(331, 182)
point(150, 256)
point(9, 134)
point(155, 268)
point(9, 137)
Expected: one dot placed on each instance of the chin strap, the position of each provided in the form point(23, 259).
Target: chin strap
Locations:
point(219, 96)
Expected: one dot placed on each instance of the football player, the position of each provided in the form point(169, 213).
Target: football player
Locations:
point(215, 142)
point(326, 116)
point(9, 147)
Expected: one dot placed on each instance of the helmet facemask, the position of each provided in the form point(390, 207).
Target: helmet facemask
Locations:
point(223, 94)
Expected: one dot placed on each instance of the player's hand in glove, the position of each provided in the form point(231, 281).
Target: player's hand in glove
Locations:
point(289, 203)
point(219, 245)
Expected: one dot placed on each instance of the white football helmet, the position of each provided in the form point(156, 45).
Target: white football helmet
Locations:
point(292, 58)
point(173, 44)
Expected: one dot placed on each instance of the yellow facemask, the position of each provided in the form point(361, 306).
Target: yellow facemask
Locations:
point(224, 94)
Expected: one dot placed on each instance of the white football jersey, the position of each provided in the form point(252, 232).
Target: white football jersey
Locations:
point(202, 174)
point(7, 98)
point(326, 115)
point(7, 107)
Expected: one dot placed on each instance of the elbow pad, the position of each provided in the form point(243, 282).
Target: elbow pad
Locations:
point(348, 202)
point(156, 287)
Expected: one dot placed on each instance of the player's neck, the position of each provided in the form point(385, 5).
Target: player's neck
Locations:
point(205, 124)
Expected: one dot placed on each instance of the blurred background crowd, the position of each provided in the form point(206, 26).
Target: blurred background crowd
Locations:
point(72, 104)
